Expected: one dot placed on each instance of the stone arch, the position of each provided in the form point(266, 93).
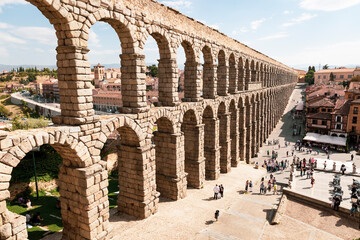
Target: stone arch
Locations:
point(193, 146)
point(241, 74)
point(74, 180)
point(167, 67)
point(233, 74)
point(211, 143)
point(248, 126)
point(209, 73)
point(169, 158)
point(247, 74)
point(222, 74)
point(234, 133)
point(224, 138)
point(186, 108)
point(167, 114)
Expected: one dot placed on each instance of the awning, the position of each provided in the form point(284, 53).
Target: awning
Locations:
point(300, 106)
point(315, 137)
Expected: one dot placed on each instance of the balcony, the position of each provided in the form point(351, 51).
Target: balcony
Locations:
point(318, 126)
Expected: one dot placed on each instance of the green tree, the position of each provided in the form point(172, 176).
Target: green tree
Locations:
point(31, 77)
point(326, 66)
point(313, 69)
point(331, 77)
point(153, 71)
point(309, 77)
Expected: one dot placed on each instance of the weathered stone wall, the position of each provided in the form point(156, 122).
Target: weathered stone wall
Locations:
point(243, 98)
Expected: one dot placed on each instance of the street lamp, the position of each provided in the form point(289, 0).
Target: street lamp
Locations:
point(36, 184)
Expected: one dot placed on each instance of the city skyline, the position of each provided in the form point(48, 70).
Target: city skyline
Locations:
point(296, 33)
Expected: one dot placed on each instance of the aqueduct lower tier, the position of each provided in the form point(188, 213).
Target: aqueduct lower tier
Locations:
point(194, 142)
point(219, 123)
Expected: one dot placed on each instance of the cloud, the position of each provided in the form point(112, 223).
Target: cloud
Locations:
point(256, 24)
point(286, 12)
point(177, 4)
point(5, 25)
point(328, 5)
point(304, 17)
point(8, 38)
point(238, 32)
point(8, 2)
point(42, 35)
point(275, 36)
point(93, 39)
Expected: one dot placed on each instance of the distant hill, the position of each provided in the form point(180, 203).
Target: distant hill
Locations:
point(11, 67)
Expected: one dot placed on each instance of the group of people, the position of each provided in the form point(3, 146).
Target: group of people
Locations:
point(307, 169)
point(33, 219)
point(218, 189)
point(274, 166)
point(24, 202)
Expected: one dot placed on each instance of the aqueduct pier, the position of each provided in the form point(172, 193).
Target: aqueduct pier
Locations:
point(210, 131)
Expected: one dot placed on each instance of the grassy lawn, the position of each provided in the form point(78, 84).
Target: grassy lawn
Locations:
point(46, 205)
point(113, 187)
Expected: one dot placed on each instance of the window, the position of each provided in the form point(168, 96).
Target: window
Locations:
point(323, 122)
point(353, 129)
point(334, 76)
point(324, 77)
point(329, 110)
point(341, 76)
point(338, 119)
point(338, 126)
point(349, 76)
point(323, 110)
point(319, 77)
point(314, 121)
point(354, 120)
point(356, 110)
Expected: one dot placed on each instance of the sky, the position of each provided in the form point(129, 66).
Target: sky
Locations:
point(297, 33)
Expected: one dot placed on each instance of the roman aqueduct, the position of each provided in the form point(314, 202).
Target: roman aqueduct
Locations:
point(209, 132)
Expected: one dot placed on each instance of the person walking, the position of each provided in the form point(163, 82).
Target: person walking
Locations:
point(343, 169)
point(216, 192)
point(246, 185)
point(262, 187)
point(250, 186)
point(275, 189)
point(221, 190)
point(352, 157)
point(324, 165)
point(312, 182)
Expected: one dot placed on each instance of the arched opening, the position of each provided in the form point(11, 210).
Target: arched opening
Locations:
point(224, 139)
point(253, 71)
point(107, 72)
point(192, 76)
point(162, 77)
point(233, 72)
point(222, 74)
point(57, 207)
point(208, 74)
point(241, 75)
point(242, 130)
point(211, 153)
point(234, 134)
point(194, 159)
point(249, 117)
point(170, 167)
point(334, 135)
point(247, 74)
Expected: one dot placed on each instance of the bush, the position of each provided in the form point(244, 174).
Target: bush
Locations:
point(30, 123)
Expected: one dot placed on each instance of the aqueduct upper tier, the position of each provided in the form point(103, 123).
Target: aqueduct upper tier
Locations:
point(210, 131)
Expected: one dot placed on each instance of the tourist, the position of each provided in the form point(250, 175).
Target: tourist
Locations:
point(275, 189)
point(343, 169)
point(28, 204)
point(352, 157)
point(28, 217)
point(21, 201)
point(262, 186)
point(221, 189)
point(268, 152)
point(216, 191)
point(292, 153)
point(246, 185)
point(269, 185)
point(287, 153)
point(324, 165)
point(217, 213)
point(312, 181)
point(336, 203)
point(36, 219)
point(250, 186)
point(353, 209)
